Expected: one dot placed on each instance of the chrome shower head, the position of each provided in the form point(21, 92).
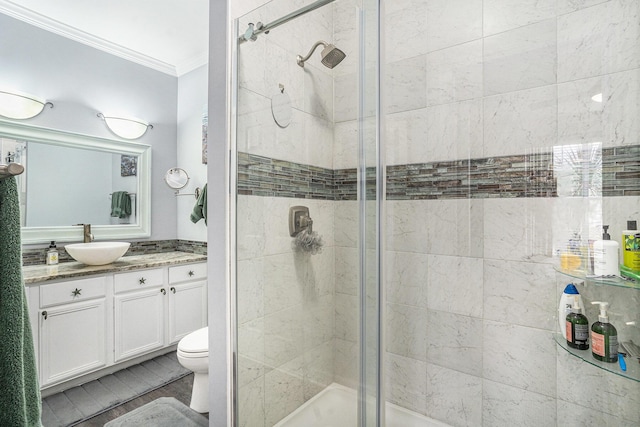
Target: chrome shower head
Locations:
point(331, 55)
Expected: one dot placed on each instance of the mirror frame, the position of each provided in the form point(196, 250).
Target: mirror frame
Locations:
point(32, 235)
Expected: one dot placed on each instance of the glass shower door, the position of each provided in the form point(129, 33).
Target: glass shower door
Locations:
point(307, 215)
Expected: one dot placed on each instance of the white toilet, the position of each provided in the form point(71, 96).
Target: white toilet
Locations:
point(193, 354)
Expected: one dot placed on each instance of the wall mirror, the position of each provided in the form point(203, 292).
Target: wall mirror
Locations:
point(71, 178)
point(176, 178)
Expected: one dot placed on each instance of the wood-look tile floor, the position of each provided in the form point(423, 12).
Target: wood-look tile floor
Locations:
point(180, 389)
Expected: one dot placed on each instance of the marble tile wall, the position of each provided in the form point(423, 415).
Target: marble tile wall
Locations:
point(470, 286)
point(286, 299)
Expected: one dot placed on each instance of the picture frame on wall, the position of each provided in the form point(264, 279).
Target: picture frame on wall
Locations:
point(205, 123)
point(128, 165)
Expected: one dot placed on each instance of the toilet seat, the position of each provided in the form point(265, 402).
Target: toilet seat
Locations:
point(195, 344)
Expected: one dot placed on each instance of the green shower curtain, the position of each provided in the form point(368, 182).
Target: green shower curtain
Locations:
point(19, 389)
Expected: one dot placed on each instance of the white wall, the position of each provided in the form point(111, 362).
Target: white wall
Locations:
point(192, 99)
point(82, 81)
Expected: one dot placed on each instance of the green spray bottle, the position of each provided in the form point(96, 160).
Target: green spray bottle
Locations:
point(604, 337)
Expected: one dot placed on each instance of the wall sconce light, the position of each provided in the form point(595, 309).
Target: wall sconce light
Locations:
point(126, 128)
point(14, 105)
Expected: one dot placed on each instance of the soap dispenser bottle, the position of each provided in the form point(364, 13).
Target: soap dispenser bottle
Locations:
point(604, 337)
point(577, 327)
point(52, 254)
point(566, 302)
point(605, 255)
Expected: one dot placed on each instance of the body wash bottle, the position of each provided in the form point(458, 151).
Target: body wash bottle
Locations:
point(604, 337)
point(564, 309)
point(605, 255)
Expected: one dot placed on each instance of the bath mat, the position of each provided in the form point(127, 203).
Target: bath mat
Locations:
point(162, 412)
point(80, 403)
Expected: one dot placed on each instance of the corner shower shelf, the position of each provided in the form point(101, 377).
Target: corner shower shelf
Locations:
point(614, 281)
point(633, 367)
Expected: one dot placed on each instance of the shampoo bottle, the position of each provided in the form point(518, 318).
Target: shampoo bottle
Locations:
point(605, 255)
point(604, 337)
point(52, 254)
point(631, 246)
point(577, 327)
point(566, 302)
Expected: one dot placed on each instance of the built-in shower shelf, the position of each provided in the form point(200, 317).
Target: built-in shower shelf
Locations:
point(633, 367)
point(621, 282)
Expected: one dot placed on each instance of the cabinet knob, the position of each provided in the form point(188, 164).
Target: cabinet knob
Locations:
point(142, 280)
point(173, 289)
point(164, 292)
point(191, 273)
point(45, 314)
point(76, 292)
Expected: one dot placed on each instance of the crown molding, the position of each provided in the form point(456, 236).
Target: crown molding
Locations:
point(192, 63)
point(48, 24)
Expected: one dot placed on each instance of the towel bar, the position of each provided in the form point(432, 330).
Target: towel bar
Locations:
point(11, 169)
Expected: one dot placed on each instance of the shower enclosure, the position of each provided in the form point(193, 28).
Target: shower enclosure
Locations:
point(418, 280)
point(307, 212)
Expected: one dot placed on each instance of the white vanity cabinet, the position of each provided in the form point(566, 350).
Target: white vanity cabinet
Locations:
point(139, 312)
point(81, 326)
point(187, 300)
point(72, 320)
point(155, 308)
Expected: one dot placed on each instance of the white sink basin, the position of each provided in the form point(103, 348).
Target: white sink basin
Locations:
point(97, 253)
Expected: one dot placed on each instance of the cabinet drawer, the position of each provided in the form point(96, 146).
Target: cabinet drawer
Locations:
point(74, 290)
point(139, 279)
point(184, 273)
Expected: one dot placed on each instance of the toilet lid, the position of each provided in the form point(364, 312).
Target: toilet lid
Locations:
point(196, 342)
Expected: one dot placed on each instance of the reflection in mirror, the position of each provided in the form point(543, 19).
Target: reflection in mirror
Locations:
point(176, 178)
point(72, 179)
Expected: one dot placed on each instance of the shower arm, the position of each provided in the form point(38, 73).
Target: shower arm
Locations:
point(302, 60)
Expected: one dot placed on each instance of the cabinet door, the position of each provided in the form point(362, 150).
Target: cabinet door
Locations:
point(139, 322)
point(187, 309)
point(72, 340)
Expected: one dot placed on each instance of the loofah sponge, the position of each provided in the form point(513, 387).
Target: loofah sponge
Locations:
point(309, 242)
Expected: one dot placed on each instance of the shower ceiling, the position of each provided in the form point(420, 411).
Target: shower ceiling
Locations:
point(168, 35)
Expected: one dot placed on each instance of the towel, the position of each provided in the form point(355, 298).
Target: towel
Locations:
point(120, 204)
point(19, 389)
point(200, 209)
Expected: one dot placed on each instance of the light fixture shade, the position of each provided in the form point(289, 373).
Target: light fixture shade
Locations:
point(124, 127)
point(14, 105)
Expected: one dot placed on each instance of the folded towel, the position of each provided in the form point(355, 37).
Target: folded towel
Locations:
point(200, 209)
point(120, 204)
point(20, 393)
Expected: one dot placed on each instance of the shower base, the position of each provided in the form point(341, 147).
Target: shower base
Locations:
point(335, 406)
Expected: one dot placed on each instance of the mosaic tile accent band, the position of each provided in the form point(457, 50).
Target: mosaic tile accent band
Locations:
point(528, 175)
point(621, 171)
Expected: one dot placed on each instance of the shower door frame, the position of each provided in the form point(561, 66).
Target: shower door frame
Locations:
point(365, 26)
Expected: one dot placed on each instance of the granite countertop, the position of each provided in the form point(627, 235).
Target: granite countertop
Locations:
point(67, 270)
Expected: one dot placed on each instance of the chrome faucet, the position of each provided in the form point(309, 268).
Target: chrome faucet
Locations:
point(88, 237)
